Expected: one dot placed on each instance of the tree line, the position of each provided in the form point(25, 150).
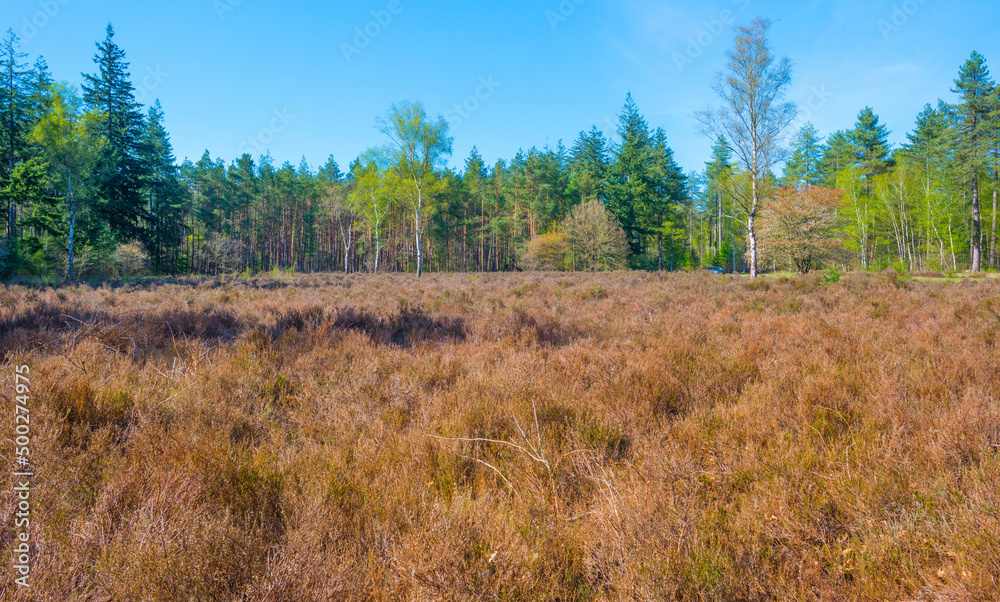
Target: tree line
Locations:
point(91, 189)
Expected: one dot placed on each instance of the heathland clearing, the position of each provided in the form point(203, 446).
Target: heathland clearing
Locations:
point(534, 436)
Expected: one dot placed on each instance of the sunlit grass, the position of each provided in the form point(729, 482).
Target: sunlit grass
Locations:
point(517, 437)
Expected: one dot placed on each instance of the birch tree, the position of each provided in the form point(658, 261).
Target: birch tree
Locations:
point(372, 184)
point(752, 117)
point(65, 132)
point(421, 148)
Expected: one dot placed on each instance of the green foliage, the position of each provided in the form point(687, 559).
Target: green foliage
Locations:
point(168, 198)
point(120, 170)
point(548, 253)
point(831, 276)
point(871, 144)
point(400, 207)
point(803, 168)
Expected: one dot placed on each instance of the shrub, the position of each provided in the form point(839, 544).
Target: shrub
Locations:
point(547, 253)
point(595, 238)
point(130, 260)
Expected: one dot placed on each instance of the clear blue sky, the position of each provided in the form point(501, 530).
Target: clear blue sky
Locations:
point(223, 68)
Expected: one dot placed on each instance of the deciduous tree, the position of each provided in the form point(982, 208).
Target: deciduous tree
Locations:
point(421, 148)
point(753, 116)
point(595, 238)
point(802, 226)
point(73, 144)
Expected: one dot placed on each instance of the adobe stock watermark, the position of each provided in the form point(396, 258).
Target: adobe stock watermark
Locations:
point(457, 115)
point(819, 97)
point(257, 143)
point(224, 7)
point(23, 475)
point(47, 11)
point(364, 36)
point(151, 80)
point(711, 30)
point(562, 13)
point(900, 16)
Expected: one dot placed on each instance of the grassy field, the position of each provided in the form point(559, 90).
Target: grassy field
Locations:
point(510, 437)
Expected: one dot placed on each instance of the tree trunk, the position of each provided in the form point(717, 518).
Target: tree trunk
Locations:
point(977, 229)
point(378, 244)
point(72, 225)
point(751, 230)
point(416, 220)
point(993, 231)
point(659, 249)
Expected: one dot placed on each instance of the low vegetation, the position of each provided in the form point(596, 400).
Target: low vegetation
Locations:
point(625, 436)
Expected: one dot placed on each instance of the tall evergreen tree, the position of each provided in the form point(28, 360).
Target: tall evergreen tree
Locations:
point(871, 146)
point(330, 172)
point(803, 168)
point(16, 117)
point(975, 87)
point(39, 87)
point(589, 165)
point(121, 173)
point(162, 189)
point(718, 175)
point(475, 186)
point(631, 189)
point(839, 153)
point(660, 214)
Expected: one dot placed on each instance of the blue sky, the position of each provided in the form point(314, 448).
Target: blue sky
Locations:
point(295, 78)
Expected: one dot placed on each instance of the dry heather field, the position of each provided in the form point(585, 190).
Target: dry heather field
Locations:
point(509, 437)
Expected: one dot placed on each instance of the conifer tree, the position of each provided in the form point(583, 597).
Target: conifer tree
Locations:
point(871, 146)
point(15, 118)
point(660, 215)
point(631, 188)
point(162, 189)
point(121, 173)
point(718, 174)
point(975, 87)
point(589, 165)
point(803, 168)
point(839, 153)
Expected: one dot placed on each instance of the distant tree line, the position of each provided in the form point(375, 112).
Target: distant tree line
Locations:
point(90, 188)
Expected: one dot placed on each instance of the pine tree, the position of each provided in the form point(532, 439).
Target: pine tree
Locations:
point(40, 87)
point(166, 199)
point(330, 172)
point(631, 187)
point(661, 213)
point(475, 186)
point(589, 165)
point(839, 153)
point(975, 87)
point(121, 173)
point(718, 174)
point(871, 146)
point(16, 118)
point(803, 168)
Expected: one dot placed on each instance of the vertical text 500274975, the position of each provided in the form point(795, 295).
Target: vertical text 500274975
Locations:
point(23, 475)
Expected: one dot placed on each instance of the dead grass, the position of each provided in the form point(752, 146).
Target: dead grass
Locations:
point(511, 437)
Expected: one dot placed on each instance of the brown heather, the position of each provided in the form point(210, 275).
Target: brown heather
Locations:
point(653, 437)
